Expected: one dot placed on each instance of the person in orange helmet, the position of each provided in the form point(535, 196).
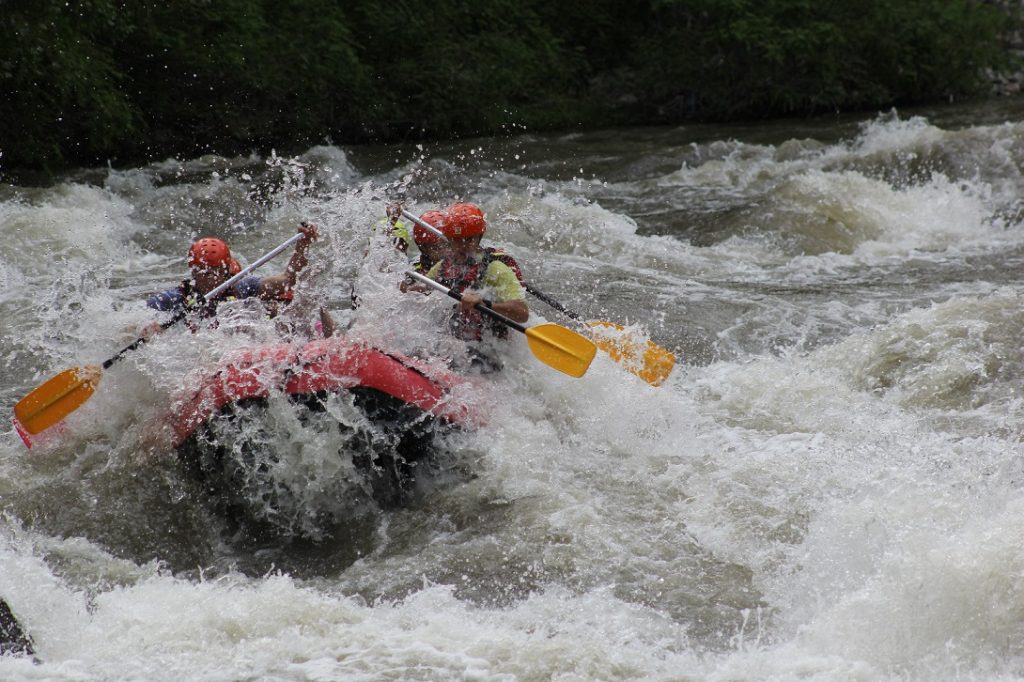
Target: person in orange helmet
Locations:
point(211, 264)
point(432, 247)
point(478, 274)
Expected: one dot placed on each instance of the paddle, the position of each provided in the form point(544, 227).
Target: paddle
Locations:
point(554, 345)
point(652, 363)
point(63, 394)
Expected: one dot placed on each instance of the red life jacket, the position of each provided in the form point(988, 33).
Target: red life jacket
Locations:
point(498, 254)
point(450, 276)
point(470, 326)
point(421, 266)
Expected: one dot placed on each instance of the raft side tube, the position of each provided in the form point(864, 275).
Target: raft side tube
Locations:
point(324, 365)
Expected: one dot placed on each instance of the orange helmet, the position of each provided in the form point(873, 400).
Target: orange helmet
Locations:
point(210, 253)
point(464, 220)
point(422, 236)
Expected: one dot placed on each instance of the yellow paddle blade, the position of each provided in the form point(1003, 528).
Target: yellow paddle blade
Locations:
point(647, 360)
point(561, 348)
point(57, 398)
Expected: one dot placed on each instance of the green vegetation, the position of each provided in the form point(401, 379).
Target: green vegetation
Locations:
point(92, 81)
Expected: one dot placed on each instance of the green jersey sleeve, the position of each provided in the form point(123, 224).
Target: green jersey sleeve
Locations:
point(503, 283)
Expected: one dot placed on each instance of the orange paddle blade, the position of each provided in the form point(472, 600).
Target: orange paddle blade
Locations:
point(57, 398)
point(644, 358)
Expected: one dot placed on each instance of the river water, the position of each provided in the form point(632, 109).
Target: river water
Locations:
point(828, 486)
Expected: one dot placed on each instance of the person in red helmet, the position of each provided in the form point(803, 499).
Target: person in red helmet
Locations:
point(473, 218)
point(478, 275)
point(211, 264)
point(432, 247)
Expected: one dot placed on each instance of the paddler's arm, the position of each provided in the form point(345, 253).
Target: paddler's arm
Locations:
point(504, 287)
point(409, 284)
point(275, 286)
point(516, 311)
point(398, 230)
point(165, 301)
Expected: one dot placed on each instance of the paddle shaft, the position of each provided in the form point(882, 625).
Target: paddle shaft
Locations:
point(458, 297)
point(554, 345)
point(552, 302)
point(180, 315)
point(424, 224)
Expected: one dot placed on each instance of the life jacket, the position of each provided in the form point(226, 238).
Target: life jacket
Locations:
point(420, 266)
point(449, 274)
point(399, 233)
point(197, 307)
point(497, 254)
point(470, 326)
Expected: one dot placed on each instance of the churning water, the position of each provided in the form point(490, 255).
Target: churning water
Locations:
point(829, 486)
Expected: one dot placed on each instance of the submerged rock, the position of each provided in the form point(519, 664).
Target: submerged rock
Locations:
point(13, 639)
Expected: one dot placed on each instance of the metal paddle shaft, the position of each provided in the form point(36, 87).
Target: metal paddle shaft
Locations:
point(552, 302)
point(552, 344)
point(424, 224)
point(54, 400)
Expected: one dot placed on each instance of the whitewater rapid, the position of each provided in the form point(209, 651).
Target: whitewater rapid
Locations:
point(827, 487)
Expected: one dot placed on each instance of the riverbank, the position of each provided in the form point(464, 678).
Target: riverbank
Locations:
point(102, 83)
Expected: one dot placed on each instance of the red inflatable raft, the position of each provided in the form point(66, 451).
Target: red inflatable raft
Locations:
point(323, 365)
point(379, 416)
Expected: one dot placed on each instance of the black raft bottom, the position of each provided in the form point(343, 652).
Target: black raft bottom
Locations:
point(242, 459)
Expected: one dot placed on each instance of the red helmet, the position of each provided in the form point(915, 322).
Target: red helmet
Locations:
point(434, 219)
point(464, 220)
point(209, 253)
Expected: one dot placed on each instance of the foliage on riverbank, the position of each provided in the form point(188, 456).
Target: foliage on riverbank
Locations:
point(91, 81)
